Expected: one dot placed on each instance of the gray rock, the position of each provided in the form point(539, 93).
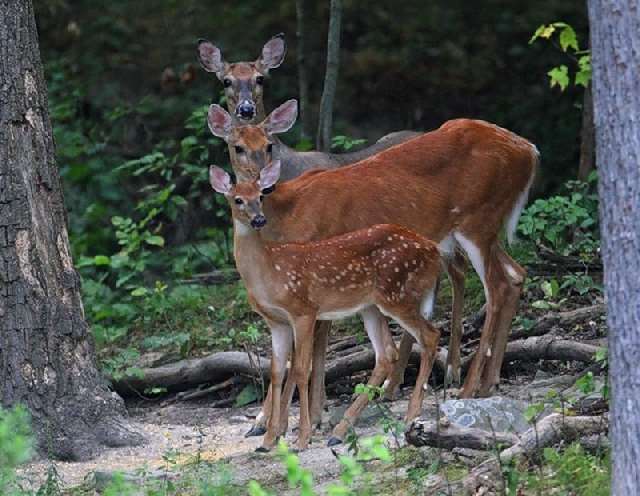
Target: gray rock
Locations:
point(497, 413)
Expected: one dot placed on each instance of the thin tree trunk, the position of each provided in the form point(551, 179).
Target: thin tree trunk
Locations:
point(587, 137)
point(615, 41)
point(325, 121)
point(303, 75)
point(46, 355)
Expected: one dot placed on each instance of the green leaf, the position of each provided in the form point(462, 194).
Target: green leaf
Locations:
point(155, 240)
point(568, 39)
point(139, 292)
point(248, 395)
point(543, 31)
point(560, 76)
point(101, 260)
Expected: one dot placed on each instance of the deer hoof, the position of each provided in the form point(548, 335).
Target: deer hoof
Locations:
point(262, 449)
point(256, 430)
point(334, 441)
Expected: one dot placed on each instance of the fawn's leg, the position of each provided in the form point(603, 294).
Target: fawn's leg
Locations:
point(317, 394)
point(397, 375)
point(386, 356)
point(281, 340)
point(259, 426)
point(428, 338)
point(303, 327)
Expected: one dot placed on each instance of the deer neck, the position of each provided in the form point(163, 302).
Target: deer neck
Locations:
point(250, 252)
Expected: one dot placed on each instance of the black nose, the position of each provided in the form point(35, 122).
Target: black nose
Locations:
point(245, 110)
point(258, 221)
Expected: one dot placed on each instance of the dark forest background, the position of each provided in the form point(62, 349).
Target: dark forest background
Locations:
point(128, 102)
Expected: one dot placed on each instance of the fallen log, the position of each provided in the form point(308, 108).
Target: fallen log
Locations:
point(564, 320)
point(223, 276)
point(449, 436)
point(548, 432)
point(192, 372)
point(544, 348)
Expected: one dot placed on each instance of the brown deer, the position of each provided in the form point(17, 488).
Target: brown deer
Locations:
point(292, 285)
point(244, 90)
point(243, 84)
point(458, 185)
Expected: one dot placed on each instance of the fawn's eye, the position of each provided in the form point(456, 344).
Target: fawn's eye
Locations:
point(239, 201)
point(226, 82)
point(238, 149)
point(269, 148)
point(260, 80)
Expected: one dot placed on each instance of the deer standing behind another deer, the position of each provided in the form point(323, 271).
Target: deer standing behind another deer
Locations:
point(292, 285)
point(244, 85)
point(458, 185)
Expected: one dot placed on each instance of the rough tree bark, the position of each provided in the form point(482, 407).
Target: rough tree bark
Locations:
point(46, 355)
point(615, 45)
point(302, 8)
point(325, 119)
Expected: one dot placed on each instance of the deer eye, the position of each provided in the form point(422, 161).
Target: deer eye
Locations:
point(238, 149)
point(269, 148)
point(238, 201)
point(260, 80)
point(261, 197)
point(226, 82)
point(268, 190)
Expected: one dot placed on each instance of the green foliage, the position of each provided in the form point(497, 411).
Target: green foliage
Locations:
point(15, 446)
point(568, 41)
point(566, 222)
point(572, 471)
point(353, 471)
point(345, 143)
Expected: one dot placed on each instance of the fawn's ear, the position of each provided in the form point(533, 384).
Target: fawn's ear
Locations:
point(210, 57)
point(219, 179)
point(282, 118)
point(220, 122)
point(269, 175)
point(273, 53)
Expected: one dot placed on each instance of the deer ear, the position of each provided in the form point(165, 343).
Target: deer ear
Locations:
point(210, 57)
point(219, 179)
point(269, 175)
point(273, 53)
point(282, 118)
point(220, 122)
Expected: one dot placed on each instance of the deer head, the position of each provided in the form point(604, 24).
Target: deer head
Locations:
point(245, 198)
point(252, 145)
point(243, 81)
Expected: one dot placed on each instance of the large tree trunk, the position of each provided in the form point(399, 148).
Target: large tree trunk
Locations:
point(302, 12)
point(615, 42)
point(46, 354)
point(325, 120)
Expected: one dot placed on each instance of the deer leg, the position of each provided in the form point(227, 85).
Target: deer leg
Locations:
point(429, 338)
point(397, 375)
point(455, 268)
point(386, 356)
point(303, 335)
point(281, 340)
point(480, 256)
point(514, 275)
point(317, 394)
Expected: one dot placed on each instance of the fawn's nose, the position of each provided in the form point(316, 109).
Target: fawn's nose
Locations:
point(258, 221)
point(246, 110)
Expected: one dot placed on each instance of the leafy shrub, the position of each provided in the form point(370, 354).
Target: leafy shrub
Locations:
point(15, 446)
point(567, 222)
